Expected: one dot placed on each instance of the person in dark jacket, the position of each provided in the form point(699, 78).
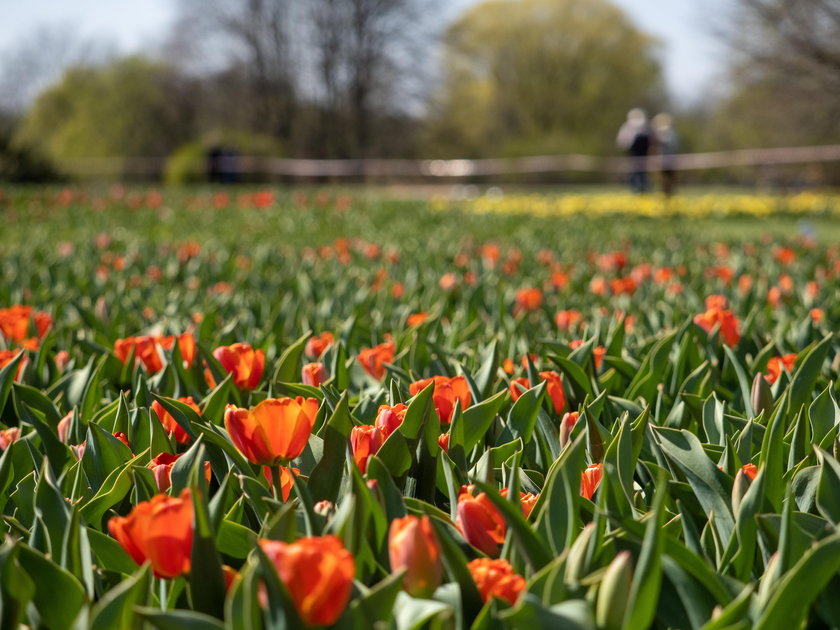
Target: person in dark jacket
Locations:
point(634, 137)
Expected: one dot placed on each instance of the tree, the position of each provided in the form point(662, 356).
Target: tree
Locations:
point(254, 37)
point(784, 73)
point(541, 76)
point(130, 108)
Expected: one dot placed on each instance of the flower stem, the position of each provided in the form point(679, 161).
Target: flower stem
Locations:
point(163, 593)
point(275, 482)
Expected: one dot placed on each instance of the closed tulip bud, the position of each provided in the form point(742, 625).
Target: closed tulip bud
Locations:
point(576, 564)
point(554, 390)
point(566, 425)
point(365, 440)
point(590, 479)
point(743, 480)
point(614, 593)
point(518, 386)
point(761, 396)
point(443, 442)
point(324, 508)
point(162, 469)
point(480, 523)
point(318, 573)
point(159, 530)
point(314, 374)
point(413, 547)
point(388, 419)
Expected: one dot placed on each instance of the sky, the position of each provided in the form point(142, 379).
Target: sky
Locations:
point(692, 59)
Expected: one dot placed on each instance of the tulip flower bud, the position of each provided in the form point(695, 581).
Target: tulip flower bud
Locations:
point(614, 593)
point(762, 397)
point(314, 374)
point(743, 480)
point(566, 425)
point(413, 546)
point(576, 563)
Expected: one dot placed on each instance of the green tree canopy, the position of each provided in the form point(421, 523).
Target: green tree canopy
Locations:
point(541, 76)
point(133, 107)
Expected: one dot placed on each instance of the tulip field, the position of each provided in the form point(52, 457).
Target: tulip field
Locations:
point(274, 408)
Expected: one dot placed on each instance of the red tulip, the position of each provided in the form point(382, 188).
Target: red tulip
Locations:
point(318, 572)
point(413, 546)
point(245, 363)
point(365, 440)
point(389, 418)
point(160, 531)
point(315, 346)
point(314, 374)
point(162, 468)
point(480, 523)
point(495, 578)
point(373, 360)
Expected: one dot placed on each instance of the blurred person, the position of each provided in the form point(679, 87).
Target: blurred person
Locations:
point(666, 142)
point(634, 138)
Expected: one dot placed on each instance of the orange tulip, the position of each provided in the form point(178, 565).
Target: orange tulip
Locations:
point(528, 500)
point(145, 349)
point(495, 578)
point(14, 322)
point(750, 470)
point(589, 480)
point(415, 319)
point(186, 346)
point(443, 442)
point(169, 423)
point(274, 431)
point(162, 469)
point(8, 436)
point(717, 314)
point(315, 346)
point(554, 389)
point(365, 440)
point(245, 363)
point(413, 546)
point(287, 480)
point(373, 360)
point(447, 391)
point(516, 390)
point(479, 522)
point(159, 531)
point(318, 572)
point(528, 299)
point(565, 320)
point(314, 374)
point(389, 418)
point(7, 356)
point(777, 364)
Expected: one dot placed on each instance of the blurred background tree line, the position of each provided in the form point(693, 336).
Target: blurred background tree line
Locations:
point(387, 79)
